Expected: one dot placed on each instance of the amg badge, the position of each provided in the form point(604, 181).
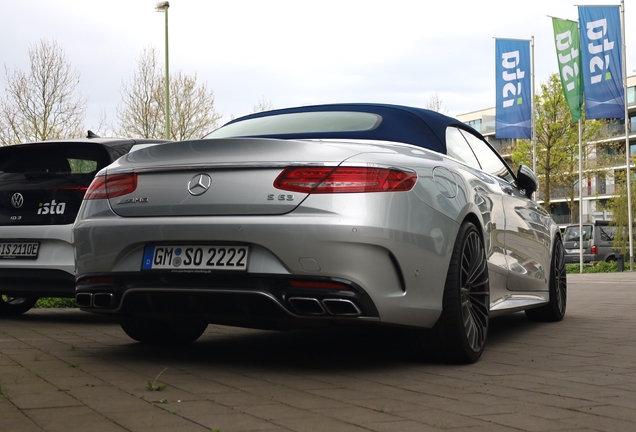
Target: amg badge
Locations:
point(133, 200)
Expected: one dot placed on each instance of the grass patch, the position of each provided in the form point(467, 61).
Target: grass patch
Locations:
point(55, 303)
point(601, 267)
point(152, 385)
point(4, 391)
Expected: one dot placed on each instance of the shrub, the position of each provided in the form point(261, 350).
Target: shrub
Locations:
point(55, 303)
point(601, 267)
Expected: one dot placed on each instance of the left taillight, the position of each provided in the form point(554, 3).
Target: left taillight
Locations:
point(326, 180)
point(111, 186)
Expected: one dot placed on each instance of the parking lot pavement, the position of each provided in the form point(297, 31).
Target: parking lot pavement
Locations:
point(66, 370)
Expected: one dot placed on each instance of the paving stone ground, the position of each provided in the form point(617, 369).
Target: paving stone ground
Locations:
point(66, 370)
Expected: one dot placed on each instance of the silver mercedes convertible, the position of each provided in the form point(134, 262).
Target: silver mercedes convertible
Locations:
point(343, 214)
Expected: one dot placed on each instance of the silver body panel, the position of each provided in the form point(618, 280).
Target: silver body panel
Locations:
point(55, 251)
point(395, 246)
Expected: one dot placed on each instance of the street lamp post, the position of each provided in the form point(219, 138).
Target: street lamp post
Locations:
point(163, 7)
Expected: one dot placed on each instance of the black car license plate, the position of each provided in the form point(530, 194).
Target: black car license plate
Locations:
point(208, 257)
point(19, 250)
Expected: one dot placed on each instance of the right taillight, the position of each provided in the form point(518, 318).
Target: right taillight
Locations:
point(329, 180)
point(594, 250)
point(111, 186)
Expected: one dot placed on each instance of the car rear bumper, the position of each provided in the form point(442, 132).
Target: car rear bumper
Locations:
point(390, 275)
point(36, 283)
point(51, 274)
point(575, 258)
point(252, 300)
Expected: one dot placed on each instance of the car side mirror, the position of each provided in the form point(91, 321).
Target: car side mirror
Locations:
point(526, 180)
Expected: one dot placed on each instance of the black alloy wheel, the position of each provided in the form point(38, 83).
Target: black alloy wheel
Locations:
point(558, 289)
point(459, 336)
point(16, 305)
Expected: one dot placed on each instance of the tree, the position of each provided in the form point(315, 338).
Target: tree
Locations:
point(103, 127)
point(263, 105)
point(192, 113)
point(435, 104)
point(43, 103)
point(557, 144)
point(618, 206)
point(142, 110)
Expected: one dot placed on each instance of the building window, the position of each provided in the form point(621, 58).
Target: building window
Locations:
point(631, 95)
point(475, 124)
point(488, 124)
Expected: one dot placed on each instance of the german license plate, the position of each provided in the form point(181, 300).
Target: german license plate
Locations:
point(16, 250)
point(198, 257)
point(573, 251)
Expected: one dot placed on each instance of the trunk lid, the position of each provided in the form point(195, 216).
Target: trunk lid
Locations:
point(221, 176)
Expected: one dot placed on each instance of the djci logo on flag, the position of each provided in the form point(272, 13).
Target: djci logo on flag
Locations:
point(512, 76)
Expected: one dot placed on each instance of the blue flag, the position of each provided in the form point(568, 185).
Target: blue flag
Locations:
point(513, 114)
point(601, 46)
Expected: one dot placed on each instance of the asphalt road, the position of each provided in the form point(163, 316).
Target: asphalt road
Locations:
point(66, 370)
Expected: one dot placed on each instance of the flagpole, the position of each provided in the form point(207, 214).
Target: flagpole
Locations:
point(532, 107)
point(580, 198)
point(628, 153)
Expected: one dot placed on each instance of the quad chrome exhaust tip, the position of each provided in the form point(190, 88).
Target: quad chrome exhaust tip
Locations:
point(314, 307)
point(97, 300)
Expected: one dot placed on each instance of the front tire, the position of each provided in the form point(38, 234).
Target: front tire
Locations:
point(459, 336)
point(16, 305)
point(155, 331)
point(558, 290)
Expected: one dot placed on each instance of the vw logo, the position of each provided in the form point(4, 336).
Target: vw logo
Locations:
point(199, 184)
point(17, 200)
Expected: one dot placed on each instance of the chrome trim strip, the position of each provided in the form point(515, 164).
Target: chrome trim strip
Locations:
point(224, 165)
point(518, 301)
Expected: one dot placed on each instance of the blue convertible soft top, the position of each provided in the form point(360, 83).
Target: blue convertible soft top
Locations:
point(417, 126)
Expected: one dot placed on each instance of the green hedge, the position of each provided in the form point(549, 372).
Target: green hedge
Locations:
point(601, 267)
point(55, 303)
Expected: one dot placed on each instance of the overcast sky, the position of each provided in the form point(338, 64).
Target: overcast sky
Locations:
point(295, 52)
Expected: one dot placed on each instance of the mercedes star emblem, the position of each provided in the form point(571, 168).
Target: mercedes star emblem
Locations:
point(199, 184)
point(17, 200)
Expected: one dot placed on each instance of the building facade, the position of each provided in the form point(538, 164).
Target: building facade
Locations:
point(604, 159)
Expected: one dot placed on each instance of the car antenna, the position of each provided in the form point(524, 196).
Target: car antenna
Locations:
point(92, 134)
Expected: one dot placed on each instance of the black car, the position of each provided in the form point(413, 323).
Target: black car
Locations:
point(41, 188)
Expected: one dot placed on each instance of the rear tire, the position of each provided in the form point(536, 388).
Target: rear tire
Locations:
point(155, 331)
point(16, 305)
point(555, 310)
point(459, 336)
